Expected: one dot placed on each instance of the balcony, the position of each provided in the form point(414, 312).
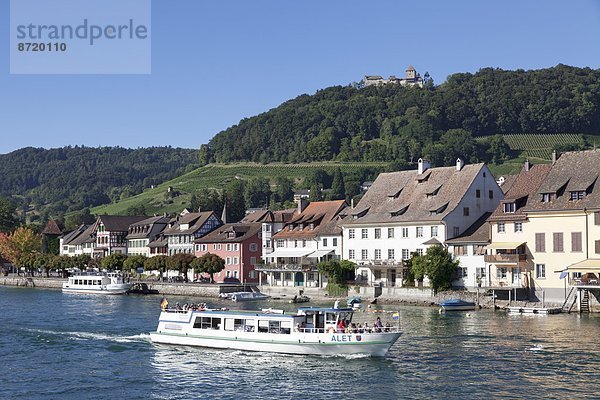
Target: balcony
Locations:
point(514, 259)
point(285, 267)
point(380, 264)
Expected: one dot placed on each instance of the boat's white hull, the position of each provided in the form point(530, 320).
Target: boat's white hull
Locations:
point(329, 344)
point(117, 289)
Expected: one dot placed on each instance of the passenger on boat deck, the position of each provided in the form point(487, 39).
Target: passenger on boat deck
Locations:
point(366, 328)
point(177, 307)
point(378, 325)
point(341, 326)
point(388, 327)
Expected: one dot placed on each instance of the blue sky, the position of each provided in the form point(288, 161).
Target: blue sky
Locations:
point(216, 62)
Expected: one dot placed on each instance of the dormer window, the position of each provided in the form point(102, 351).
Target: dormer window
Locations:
point(433, 192)
point(510, 207)
point(577, 195)
point(546, 197)
point(395, 195)
point(424, 178)
point(312, 226)
point(400, 211)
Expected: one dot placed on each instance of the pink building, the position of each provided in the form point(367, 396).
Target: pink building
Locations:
point(239, 245)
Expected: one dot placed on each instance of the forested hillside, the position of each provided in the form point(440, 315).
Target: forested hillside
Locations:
point(71, 178)
point(400, 124)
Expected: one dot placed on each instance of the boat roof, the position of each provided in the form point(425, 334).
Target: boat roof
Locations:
point(330, 309)
point(246, 313)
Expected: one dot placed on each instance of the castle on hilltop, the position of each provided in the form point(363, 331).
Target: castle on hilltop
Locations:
point(412, 79)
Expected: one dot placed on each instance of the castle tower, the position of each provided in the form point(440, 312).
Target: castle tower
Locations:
point(411, 73)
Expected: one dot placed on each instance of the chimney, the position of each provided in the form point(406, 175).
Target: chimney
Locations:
point(459, 164)
point(302, 203)
point(527, 165)
point(554, 157)
point(423, 166)
point(352, 203)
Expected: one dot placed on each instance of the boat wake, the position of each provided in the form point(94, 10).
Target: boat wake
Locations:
point(537, 347)
point(143, 337)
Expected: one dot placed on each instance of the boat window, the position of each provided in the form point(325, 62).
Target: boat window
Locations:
point(263, 326)
point(237, 324)
point(207, 323)
point(330, 318)
point(250, 325)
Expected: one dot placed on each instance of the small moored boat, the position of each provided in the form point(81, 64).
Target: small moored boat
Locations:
point(458, 305)
point(300, 299)
point(248, 296)
point(312, 331)
point(96, 283)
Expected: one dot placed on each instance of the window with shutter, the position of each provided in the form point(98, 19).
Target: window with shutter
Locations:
point(597, 218)
point(597, 243)
point(540, 242)
point(576, 241)
point(557, 238)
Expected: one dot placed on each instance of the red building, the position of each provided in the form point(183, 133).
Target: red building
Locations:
point(239, 245)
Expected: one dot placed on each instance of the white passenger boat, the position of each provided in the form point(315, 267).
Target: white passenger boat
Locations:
point(312, 331)
point(96, 283)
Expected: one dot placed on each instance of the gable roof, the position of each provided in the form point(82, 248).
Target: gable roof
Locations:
point(147, 228)
point(478, 233)
point(407, 196)
point(69, 237)
point(523, 192)
point(325, 216)
point(52, 228)
point(231, 233)
point(118, 223)
point(575, 171)
point(195, 221)
point(85, 234)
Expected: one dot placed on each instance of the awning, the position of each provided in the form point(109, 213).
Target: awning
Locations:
point(283, 252)
point(505, 245)
point(591, 264)
point(320, 253)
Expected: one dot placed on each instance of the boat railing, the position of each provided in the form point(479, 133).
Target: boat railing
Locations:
point(360, 331)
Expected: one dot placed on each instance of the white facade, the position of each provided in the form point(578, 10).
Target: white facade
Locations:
point(472, 269)
point(138, 247)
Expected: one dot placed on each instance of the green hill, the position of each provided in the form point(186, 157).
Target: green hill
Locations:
point(400, 124)
point(216, 176)
point(67, 179)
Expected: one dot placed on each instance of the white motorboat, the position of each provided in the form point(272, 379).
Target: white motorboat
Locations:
point(97, 283)
point(249, 296)
point(312, 331)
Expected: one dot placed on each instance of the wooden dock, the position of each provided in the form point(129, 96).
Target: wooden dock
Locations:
point(535, 310)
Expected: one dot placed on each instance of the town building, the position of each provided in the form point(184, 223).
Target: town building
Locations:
point(50, 237)
point(408, 211)
point(111, 233)
point(469, 249)
point(412, 78)
point(272, 222)
point(313, 235)
point(239, 244)
point(142, 233)
point(509, 260)
point(563, 229)
point(70, 246)
point(187, 227)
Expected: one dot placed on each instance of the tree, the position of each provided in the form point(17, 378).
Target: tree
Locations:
point(204, 155)
point(338, 189)
point(19, 246)
point(181, 263)
point(284, 189)
point(209, 264)
point(234, 195)
point(132, 263)
point(77, 218)
point(113, 262)
point(156, 263)
point(436, 264)
point(316, 193)
point(257, 192)
point(338, 272)
point(8, 219)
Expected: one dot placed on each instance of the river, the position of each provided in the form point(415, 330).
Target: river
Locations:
point(59, 346)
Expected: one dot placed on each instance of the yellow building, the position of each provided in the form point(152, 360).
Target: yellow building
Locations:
point(546, 231)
